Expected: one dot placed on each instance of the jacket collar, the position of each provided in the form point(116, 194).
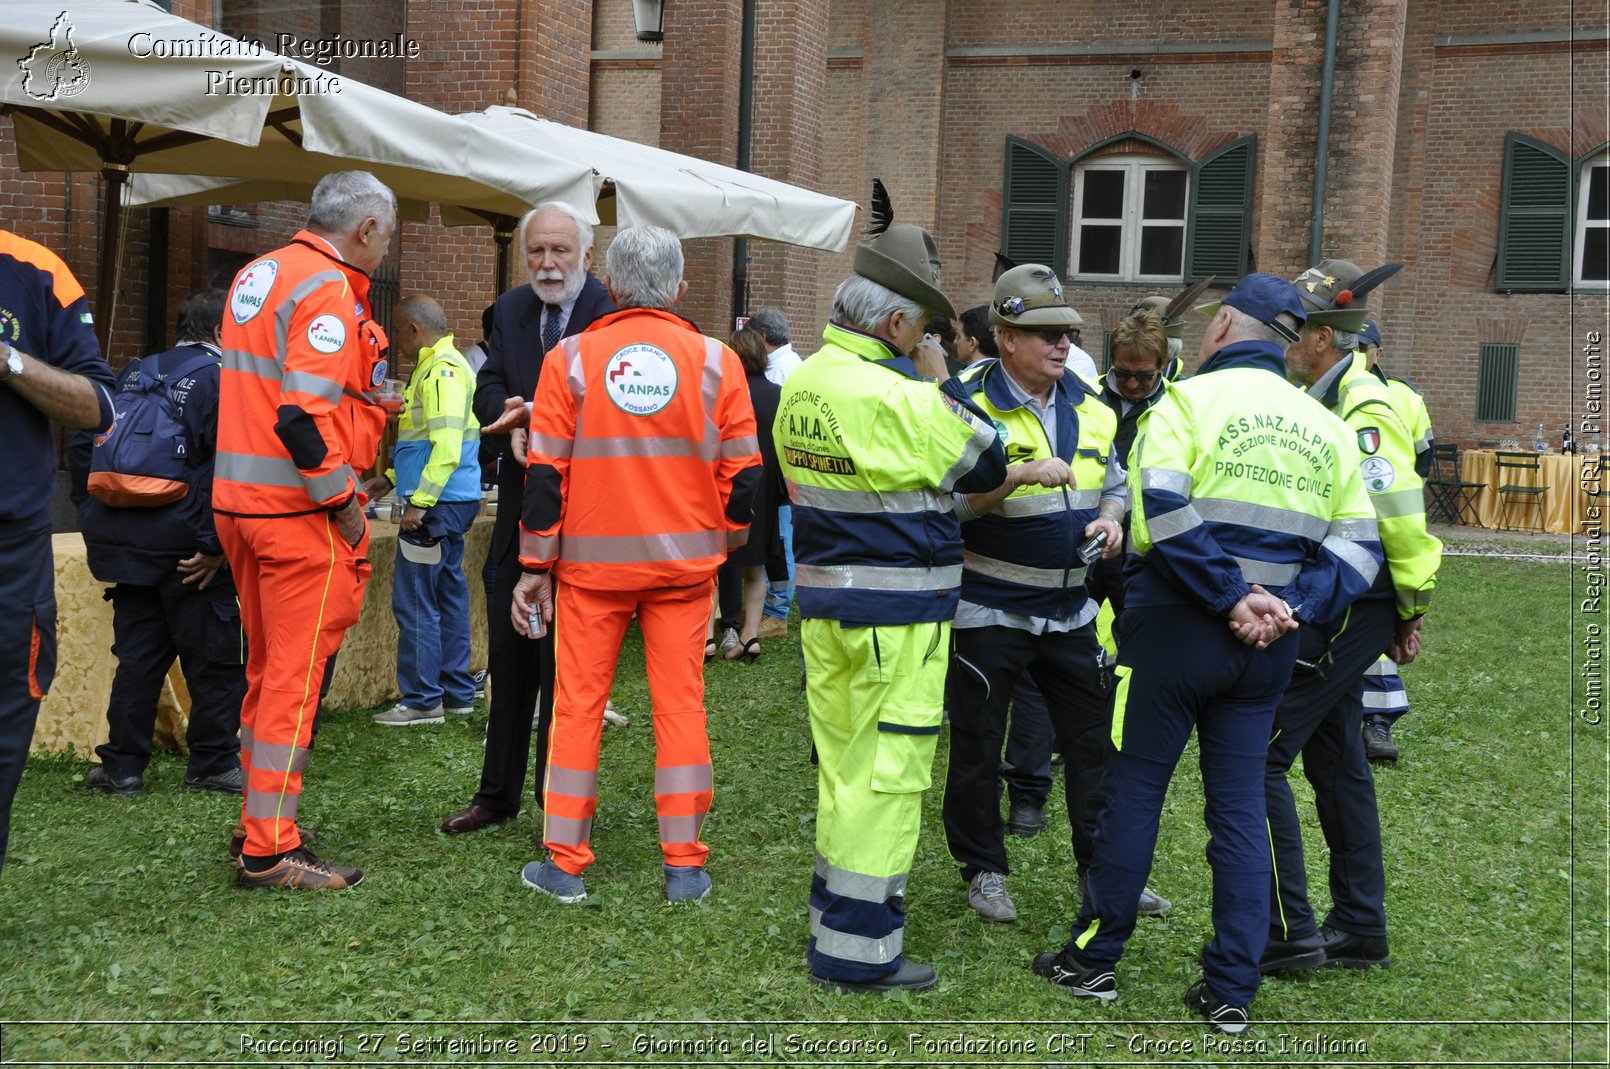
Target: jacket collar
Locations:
point(1259, 354)
point(1069, 391)
point(870, 349)
point(1344, 369)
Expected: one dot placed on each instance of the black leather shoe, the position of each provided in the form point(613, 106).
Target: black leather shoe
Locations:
point(909, 977)
point(1354, 951)
point(229, 781)
point(99, 779)
point(1292, 955)
point(1378, 744)
point(1025, 819)
point(474, 818)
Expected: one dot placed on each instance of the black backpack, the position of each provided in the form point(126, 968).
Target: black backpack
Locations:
point(143, 462)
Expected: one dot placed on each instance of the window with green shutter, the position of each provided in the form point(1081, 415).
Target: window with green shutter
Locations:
point(1497, 378)
point(1221, 213)
point(1592, 254)
point(1035, 203)
point(1534, 222)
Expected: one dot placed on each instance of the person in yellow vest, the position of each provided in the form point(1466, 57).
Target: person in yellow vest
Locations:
point(1249, 515)
point(1320, 712)
point(437, 471)
point(872, 451)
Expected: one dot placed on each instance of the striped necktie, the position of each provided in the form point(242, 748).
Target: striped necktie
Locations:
point(550, 325)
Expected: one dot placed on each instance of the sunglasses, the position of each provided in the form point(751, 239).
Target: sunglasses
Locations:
point(1140, 378)
point(1052, 335)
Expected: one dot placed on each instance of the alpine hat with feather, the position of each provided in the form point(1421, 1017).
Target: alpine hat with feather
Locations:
point(1171, 310)
point(1029, 296)
point(903, 258)
point(1333, 293)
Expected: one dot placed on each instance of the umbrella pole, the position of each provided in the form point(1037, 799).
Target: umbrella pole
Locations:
point(116, 176)
point(503, 234)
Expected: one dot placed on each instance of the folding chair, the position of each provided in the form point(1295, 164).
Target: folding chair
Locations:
point(1453, 500)
point(1598, 489)
point(1508, 466)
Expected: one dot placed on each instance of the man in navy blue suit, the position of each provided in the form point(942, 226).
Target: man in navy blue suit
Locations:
point(562, 299)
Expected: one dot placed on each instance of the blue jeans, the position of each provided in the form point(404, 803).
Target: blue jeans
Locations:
point(432, 605)
point(780, 596)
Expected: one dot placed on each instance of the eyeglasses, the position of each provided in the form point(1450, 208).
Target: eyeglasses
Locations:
point(1052, 335)
point(1139, 378)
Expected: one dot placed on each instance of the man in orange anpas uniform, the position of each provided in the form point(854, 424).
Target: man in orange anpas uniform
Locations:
point(297, 423)
point(642, 475)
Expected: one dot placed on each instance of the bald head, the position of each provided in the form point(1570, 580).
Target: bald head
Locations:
point(418, 323)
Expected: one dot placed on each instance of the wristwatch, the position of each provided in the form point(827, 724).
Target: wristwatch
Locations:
point(13, 363)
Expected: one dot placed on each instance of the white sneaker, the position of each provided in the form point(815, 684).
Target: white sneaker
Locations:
point(614, 719)
point(400, 715)
point(460, 710)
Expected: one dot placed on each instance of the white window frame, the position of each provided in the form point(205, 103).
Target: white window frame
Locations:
point(1583, 176)
point(1135, 168)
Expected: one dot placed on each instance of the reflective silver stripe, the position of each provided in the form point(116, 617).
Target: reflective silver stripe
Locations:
point(1266, 574)
point(869, 577)
point(412, 434)
point(843, 883)
point(264, 805)
point(594, 448)
point(1382, 666)
point(1263, 517)
point(1173, 523)
point(710, 387)
point(251, 364)
point(631, 549)
point(737, 538)
point(277, 757)
point(1416, 601)
point(324, 487)
point(684, 829)
point(571, 347)
point(265, 471)
point(446, 423)
point(1356, 530)
point(1354, 555)
point(1048, 503)
point(1167, 479)
point(538, 547)
point(837, 944)
point(982, 437)
point(868, 501)
point(1020, 573)
point(573, 782)
point(566, 831)
point(683, 779)
point(1386, 699)
point(426, 488)
point(287, 308)
point(317, 385)
point(745, 446)
point(550, 446)
point(1398, 504)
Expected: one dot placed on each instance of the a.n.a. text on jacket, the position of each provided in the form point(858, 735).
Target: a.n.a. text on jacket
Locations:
point(1238, 477)
point(1023, 556)
point(298, 421)
point(643, 461)
point(871, 452)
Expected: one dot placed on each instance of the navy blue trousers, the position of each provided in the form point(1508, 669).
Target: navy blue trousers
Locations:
point(27, 656)
point(1180, 668)
point(1030, 741)
point(1320, 718)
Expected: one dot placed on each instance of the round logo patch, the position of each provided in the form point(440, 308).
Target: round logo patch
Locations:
point(251, 290)
point(378, 376)
point(327, 334)
point(1379, 474)
point(1000, 430)
point(640, 379)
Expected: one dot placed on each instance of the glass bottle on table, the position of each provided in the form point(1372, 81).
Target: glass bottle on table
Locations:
point(1542, 442)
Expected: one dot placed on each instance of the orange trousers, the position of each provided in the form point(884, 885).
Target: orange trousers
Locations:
point(301, 587)
point(587, 632)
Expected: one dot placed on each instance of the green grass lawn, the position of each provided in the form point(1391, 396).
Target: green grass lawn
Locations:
point(125, 910)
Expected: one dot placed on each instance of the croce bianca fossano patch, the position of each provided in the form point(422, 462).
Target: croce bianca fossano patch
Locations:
point(640, 379)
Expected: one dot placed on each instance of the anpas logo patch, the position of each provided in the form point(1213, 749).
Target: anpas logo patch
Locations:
point(327, 334)
point(251, 290)
point(640, 379)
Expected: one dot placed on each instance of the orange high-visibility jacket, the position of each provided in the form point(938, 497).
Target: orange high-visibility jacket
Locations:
point(643, 458)
point(297, 419)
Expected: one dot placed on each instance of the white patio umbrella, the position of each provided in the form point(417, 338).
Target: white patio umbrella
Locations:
point(121, 87)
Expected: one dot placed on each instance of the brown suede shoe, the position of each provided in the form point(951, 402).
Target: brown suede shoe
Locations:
point(772, 627)
point(474, 818)
point(302, 870)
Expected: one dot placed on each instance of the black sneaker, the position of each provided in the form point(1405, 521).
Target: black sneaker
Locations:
point(229, 781)
point(1292, 955)
point(1354, 951)
point(909, 977)
point(1025, 819)
point(1231, 1020)
point(1378, 744)
point(98, 779)
point(1070, 974)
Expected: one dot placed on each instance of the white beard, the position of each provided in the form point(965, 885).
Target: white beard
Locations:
point(558, 291)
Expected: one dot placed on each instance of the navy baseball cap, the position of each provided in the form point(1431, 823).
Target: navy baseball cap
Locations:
point(1371, 334)
point(1264, 297)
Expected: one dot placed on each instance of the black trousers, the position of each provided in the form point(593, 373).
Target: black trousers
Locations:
point(986, 664)
point(150, 626)
point(521, 671)
point(27, 655)
point(1319, 716)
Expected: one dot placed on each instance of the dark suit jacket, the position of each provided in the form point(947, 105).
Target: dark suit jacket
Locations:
point(514, 356)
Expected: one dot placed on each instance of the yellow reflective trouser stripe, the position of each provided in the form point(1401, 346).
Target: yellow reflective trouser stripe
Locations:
point(1120, 705)
point(1089, 934)
point(1274, 868)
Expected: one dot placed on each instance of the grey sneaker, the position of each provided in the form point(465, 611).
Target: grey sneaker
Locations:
point(987, 894)
point(729, 640)
point(1152, 904)
point(459, 710)
point(553, 881)
point(400, 716)
point(686, 883)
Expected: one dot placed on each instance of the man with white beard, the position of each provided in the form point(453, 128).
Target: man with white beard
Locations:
point(527, 322)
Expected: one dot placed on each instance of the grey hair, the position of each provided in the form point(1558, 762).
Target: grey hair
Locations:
point(772, 323)
point(644, 264)
point(584, 229)
point(1343, 341)
point(1254, 329)
point(864, 304)
point(344, 199)
point(423, 312)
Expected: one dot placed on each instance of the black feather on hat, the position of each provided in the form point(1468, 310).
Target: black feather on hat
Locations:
point(903, 258)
